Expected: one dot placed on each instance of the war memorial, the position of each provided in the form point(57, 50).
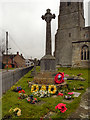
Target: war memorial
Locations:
point(50, 92)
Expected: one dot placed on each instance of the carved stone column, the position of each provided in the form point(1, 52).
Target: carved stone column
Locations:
point(48, 61)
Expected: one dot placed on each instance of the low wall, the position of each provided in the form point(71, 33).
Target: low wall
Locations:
point(11, 77)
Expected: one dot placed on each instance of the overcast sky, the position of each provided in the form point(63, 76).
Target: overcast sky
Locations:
point(22, 19)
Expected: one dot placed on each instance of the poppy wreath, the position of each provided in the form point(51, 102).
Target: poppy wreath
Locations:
point(34, 88)
point(59, 78)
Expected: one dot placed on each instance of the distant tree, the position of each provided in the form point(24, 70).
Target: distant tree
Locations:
point(2, 46)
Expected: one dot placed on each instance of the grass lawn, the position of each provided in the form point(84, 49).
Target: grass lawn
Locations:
point(10, 99)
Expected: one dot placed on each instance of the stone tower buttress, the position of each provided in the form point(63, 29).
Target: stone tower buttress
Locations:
point(70, 21)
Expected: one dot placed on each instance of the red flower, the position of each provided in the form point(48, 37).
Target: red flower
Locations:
point(29, 100)
point(61, 107)
point(70, 93)
point(61, 94)
point(35, 99)
point(19, 98)
point(23, 91)
point(19, 91)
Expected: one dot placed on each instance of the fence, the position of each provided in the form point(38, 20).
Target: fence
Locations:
point(10, 78)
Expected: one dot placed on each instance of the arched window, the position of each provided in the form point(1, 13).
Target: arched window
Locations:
point(85, 53)
point(68, 3)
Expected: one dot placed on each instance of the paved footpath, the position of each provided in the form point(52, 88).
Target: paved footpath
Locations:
point(83, 111)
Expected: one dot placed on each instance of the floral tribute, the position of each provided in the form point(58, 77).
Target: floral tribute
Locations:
point(16, 89)
point(59, 78)
point(80, 88)
point(44, 91)
point(69, 96)
point(61, 107)
point(16, 111)
point(32, 100)
point(22, 94)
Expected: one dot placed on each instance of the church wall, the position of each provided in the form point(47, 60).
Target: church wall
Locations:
point(69, 20)
point(70, 35)
point(76, 55)
point(65, 9)
point(85, 34)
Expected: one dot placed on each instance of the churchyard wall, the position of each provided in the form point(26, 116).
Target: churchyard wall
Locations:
point(10, 78)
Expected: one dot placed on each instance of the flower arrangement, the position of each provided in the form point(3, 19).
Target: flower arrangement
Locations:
point(22, 96)
point(42, 93)
point(52, 89)
point(80, 88)
point(61, 107)
point(69, 96)
point(16, 89)
point(16, 111)
point(32, 100)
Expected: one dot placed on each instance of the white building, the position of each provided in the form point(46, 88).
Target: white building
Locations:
point(28, 62)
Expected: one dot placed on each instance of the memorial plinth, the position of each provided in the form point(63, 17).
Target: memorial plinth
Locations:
point(48, 63)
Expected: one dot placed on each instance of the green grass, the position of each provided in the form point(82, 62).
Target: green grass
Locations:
point(10, 99)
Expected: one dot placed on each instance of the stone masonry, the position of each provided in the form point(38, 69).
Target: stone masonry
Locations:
point(72, 40)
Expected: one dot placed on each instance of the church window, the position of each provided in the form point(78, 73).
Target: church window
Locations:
point(82, 55)
point(88, 54)
point(86, 35)
point(85, 53)
point(69, 34)
point(68, 3)
point(81, 5)
point(80, 28)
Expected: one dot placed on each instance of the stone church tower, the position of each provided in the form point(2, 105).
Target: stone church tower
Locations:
point(72, 40)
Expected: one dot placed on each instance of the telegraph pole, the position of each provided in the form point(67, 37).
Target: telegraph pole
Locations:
point(6, 43)
point(7, 48)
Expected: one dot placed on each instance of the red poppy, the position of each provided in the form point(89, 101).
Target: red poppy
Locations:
point(23, 91)
point(70, 93)
point(19, 91)
point(61, 107)
point(61, 94)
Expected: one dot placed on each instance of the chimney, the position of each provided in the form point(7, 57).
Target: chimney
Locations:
point(17, 53)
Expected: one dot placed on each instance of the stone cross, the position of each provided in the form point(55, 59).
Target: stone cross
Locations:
point(48, 17)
